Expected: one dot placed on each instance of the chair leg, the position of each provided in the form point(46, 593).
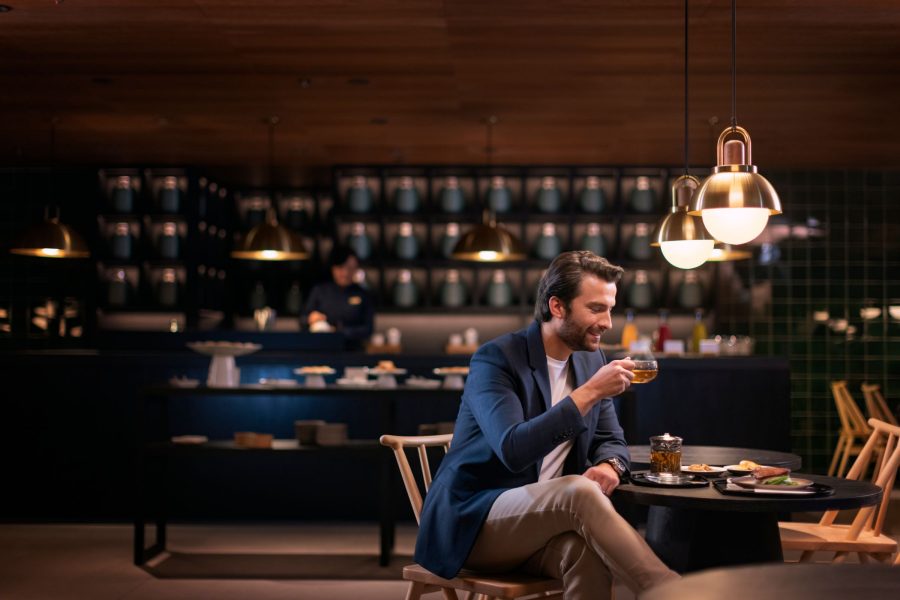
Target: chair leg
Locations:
point(837, 453)
point(806, 556)
point(449, 594)
point(839, 558)
point(415, 590)
point(846, 455)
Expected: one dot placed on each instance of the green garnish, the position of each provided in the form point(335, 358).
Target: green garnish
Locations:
point(779, 480)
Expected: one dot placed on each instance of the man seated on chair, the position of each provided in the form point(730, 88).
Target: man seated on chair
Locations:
point(538, 449)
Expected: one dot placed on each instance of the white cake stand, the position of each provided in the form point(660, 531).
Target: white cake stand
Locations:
point(387, 378)
point(222, 369)
point(454, 379)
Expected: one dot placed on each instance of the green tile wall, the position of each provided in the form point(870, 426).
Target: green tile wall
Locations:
point(855, 263)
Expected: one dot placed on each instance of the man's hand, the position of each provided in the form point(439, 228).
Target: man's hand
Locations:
point(610, 380)
point(315, 316)
point(605, 476)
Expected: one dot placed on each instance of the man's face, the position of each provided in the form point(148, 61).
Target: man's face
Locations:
point(589, 315)
point(343, 274)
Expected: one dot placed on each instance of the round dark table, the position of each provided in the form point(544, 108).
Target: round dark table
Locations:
point(698, 528)
point(796, 582)
point(719, 456)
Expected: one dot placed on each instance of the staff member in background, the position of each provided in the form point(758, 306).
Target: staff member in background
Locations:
point(341, 305)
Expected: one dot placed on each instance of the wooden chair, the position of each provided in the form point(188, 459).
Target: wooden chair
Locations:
point(854, 430)
point(876, 405)
point(864, 534)
point(476, 585)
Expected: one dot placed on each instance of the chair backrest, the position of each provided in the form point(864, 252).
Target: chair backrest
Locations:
point(421, 443)
point(876, 405)
point(852, 420)
point(881, 447)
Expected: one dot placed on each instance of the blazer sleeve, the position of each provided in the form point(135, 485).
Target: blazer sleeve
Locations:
point(498, 400)
point(609, 438)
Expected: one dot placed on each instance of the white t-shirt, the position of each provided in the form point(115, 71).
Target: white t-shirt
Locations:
point(560, 387)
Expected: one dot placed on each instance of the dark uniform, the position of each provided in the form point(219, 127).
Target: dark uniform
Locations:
point(348, 309)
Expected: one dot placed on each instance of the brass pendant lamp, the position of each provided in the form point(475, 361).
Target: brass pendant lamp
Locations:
point(735, 201)
point(682, 238)
point(270, 240)
point(489, 242)
point(51, 238)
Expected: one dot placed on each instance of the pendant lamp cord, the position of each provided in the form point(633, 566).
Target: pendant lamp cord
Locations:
point(733, 65)
point(273, 121)
point(686, 147)
point(51, 210)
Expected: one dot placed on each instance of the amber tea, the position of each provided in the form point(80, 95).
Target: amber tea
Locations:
point(665, 461)
point(644, 371)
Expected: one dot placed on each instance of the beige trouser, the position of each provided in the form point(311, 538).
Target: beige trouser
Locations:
point(568, 529)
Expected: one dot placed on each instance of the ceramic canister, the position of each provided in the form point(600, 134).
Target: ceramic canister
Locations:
point(639, 247)
point(499, 195)
point(406, 293)
point(406, 246)
point(499, 292)
point(169, 195)
point(592, 198)
point(593, 240)
point(123, 195)
point(359, 241)
point(453, 290)
point(406, 197)
point(549, 199)
point(548, 245)
point(453, 199)
point(359, 196)
point(643, 197)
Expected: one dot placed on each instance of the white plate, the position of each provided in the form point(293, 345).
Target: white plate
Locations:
point(360, 383)
point(738, 470)
point(420, 382)
point(713, 471)
point(314, 371)
point(750, 483)
point(377, 371)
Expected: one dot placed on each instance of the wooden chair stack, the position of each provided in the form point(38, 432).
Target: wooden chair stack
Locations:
point(864, 534)
point(854, 430)
point(475, 585)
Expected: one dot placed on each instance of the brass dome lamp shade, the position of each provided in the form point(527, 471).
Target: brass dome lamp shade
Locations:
point(735, 201)
point(682, 238)
point(489, 242)
point(51, 239)
point(271, 241)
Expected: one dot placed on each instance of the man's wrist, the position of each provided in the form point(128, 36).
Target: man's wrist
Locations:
point(617, 465)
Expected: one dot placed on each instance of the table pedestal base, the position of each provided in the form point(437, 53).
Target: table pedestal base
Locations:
point(691, 540)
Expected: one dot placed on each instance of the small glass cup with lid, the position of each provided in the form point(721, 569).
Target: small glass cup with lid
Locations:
point(665, 455)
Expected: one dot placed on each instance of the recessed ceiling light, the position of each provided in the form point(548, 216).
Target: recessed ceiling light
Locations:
point(358, 81)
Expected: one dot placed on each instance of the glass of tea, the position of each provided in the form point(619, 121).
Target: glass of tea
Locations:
point(645, 367)
point(665, 454)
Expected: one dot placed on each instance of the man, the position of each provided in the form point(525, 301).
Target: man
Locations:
point(538, 449)
point(342, 304)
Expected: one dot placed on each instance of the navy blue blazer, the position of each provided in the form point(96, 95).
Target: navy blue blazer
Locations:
point(505, 427)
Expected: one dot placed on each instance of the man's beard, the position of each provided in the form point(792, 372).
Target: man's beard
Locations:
point(573, 336)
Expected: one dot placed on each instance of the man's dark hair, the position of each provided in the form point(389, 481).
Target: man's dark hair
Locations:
point(563, 279)
point(340, 253)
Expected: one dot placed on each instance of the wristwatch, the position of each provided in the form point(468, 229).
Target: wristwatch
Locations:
point(617, 465)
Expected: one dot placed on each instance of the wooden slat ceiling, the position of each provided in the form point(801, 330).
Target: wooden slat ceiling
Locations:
point(189, 82)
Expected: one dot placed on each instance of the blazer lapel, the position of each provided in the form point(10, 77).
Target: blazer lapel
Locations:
point(537, 360)
point(574, 464)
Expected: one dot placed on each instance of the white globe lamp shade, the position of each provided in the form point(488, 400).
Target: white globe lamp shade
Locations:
point(687, 254)
point(735, 225)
